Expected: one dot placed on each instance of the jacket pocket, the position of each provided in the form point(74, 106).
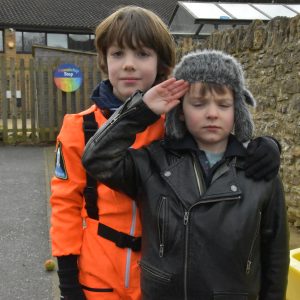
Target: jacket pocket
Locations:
point(154, 273)
point(252, 245)
point(162, 225)
point(233, 296)
point(97, 290)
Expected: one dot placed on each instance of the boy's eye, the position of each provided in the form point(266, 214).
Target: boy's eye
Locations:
point(199, 104)
point(225, 105)
point(117, 53)
point(143, 53)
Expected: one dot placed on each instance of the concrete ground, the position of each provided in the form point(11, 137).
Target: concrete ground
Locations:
point(24, 229)
point(25, 173)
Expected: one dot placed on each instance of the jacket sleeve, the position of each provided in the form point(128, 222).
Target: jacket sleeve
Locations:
point(107, 157)
point(274, 246)
point(67, 191)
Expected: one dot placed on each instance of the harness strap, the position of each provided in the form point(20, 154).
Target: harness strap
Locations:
point(90, 194)
point(122, 240)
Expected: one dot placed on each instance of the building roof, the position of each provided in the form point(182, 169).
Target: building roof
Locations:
point(71, 15)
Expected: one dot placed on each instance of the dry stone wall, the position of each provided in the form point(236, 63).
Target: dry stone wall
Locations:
point(270, 55)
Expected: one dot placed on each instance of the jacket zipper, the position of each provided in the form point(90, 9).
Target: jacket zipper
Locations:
point(249, 260)
point(186, 219)
point(185, 223)
point(107, 125)
point(161, 227)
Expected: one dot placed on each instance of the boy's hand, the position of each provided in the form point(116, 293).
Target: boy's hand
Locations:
point(263, 159)
point(166, 95)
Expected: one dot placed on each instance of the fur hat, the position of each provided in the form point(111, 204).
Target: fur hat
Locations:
point(213, 66)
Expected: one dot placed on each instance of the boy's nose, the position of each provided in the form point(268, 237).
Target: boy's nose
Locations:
point(129, 64)
point(212, 112)
point(128, 67)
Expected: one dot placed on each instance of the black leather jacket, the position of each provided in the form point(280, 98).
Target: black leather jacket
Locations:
point(227, 241)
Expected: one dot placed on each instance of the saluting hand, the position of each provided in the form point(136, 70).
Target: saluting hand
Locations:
point(166, 95)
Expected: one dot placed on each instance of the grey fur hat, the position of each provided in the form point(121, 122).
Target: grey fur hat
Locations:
point(213, 66)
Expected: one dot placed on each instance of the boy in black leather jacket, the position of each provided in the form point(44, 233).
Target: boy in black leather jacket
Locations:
point(209, 231)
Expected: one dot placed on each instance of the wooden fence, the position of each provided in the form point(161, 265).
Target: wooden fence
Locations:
point(31, 106)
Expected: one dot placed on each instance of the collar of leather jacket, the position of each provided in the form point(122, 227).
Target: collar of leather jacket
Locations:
point(234, 147)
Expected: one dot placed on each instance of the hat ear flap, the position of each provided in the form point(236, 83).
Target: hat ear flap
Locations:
point(249, 99)
point(243, 125)
point(174, 125)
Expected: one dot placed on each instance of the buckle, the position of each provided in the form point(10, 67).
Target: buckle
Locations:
point(136, 244)
point(127, 241)
point(121, 240)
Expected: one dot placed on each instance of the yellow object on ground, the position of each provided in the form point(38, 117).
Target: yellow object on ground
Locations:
point(293, 289)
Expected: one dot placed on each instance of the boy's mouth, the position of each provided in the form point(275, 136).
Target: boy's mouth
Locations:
point(130, 79)
point(212, 127)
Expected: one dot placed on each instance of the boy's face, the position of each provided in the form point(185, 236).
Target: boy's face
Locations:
point(130, 70)
point(209, 117)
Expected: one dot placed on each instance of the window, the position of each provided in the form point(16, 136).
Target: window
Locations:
point(25, 40)
point(83, 42)
point(57, 40)
point(202, 18)
point(1, 41)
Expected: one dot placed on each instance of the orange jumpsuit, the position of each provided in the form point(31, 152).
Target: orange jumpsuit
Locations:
point(105, 270)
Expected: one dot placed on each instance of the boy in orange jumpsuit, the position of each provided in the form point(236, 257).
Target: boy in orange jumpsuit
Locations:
point(95, 236)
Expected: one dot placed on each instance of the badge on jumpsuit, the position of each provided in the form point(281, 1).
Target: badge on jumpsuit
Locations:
point(60, 167)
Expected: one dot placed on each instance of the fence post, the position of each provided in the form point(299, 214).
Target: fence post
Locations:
point(3, 81)
point(33, 98)
point(23, 99)
point(13, 99)
point(51, 104)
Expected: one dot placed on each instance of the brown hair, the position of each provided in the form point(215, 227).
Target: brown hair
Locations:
point(136, 27)
point(209, 87)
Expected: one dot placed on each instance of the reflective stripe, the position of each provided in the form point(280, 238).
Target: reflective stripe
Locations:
point(128, 257)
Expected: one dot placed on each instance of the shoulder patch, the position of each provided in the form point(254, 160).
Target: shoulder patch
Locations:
point(60, 166)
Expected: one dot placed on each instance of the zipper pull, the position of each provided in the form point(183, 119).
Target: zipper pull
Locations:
point(249, 262)
point(186, 217)
point(161, 250)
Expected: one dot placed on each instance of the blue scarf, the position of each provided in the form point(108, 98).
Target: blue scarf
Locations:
point(104, 98)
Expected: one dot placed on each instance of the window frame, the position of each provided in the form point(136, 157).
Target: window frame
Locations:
point(23, 51)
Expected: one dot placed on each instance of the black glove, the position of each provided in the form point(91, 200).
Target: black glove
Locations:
point(70, 288)
point(263, 159)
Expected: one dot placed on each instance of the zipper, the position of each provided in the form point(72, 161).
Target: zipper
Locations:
point(129, 251)
point(249, 260)
point(106, 125)
point(161, 225)
point(186, 218)
point(154, 272)
point(185, 223)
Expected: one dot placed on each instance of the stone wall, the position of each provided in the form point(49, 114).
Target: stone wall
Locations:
point(270, 55)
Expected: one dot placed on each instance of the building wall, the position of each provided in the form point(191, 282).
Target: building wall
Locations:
point(270, 55)
point(10, 47)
